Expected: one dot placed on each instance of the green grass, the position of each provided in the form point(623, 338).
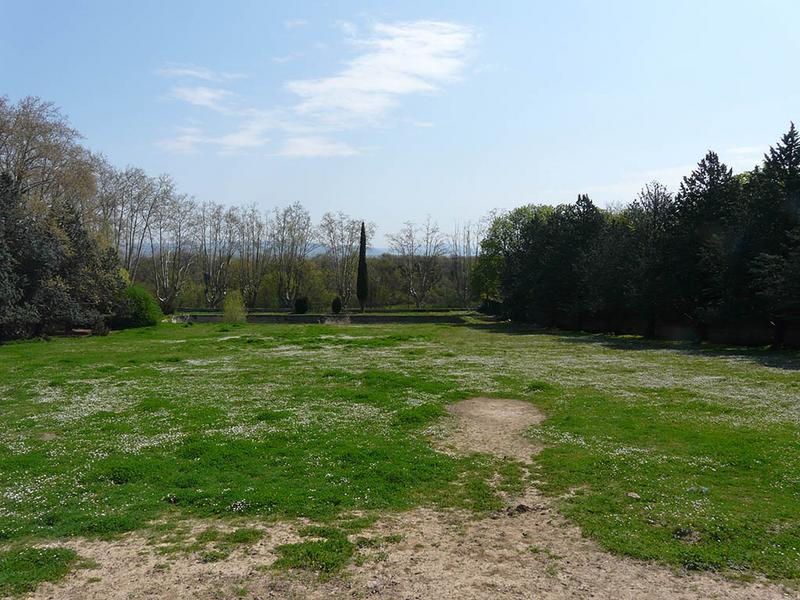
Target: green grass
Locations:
point(326, 555)
point(101, 436)
point(22, 570)
point(713, 494)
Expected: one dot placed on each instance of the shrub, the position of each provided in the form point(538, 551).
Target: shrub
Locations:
point(233, 310)
point(99, 327)
point(301, 305)
point(136, 308)
point(336, 305)
point(492, 307)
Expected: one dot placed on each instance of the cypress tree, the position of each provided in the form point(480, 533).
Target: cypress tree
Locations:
point(362, 286)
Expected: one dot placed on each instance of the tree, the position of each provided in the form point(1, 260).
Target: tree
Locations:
point(652, 215)
point(41, 153)
point(254, 253)
point(217, 241)
point(173, 237)
point(465, 242)
point(362, 285)
point(777, 279)
point(53, 275)
point(782, 172)
point(419, 249)
point(503, 241)
point(84, 280)
point(129, 200)
point(291, 238)
point(570, 234)
point(703, 243)
point(339, 236)
point(17, 315)
point(605, 273)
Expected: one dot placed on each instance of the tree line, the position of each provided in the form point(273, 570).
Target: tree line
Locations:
point(75, 230)
point(720, 256)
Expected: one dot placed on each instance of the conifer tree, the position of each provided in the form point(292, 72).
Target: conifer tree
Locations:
point(362, 285)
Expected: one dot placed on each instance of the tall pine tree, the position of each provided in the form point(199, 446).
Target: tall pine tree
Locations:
point(704, 241)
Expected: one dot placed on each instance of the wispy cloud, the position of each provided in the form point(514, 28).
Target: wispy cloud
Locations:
point(738, 158)
point(392, 61)
point(187, 140)
point(348, 28)
point(744, 158)
point(626, 189)
point(284, 58)
point(194, 72)
point(311, 147)
point(746, 150)
point(399, 59)
point(295, 23)
point(200, 95)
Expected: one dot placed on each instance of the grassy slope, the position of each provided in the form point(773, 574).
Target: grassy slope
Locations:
point(101, 435)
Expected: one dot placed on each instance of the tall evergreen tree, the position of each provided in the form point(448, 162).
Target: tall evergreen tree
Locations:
point(772, 233)
point(703, 242)
point(362, 283)
point(652, 215)
point(777, 281)
point(773, 197)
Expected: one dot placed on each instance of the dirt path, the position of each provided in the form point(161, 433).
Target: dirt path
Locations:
point(528, 552)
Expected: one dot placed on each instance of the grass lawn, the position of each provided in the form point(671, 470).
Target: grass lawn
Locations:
point(659, 451)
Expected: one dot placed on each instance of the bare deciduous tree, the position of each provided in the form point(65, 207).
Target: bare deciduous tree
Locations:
point(465, 242)
point(217, 240)
point(128, 200)
point(292, 238)
point(254, 253)
point(41, 153)
point(340, 235)
point(419, 248)
point(172, 233)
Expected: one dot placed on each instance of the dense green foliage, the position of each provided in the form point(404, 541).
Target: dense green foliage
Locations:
point(723, 252)
point(301, 305)
point(53, 275)
point(336, 305)
point(136, 307)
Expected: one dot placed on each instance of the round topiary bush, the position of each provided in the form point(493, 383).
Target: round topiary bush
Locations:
point(336, 305)
point(301, 305)
point(136, 308)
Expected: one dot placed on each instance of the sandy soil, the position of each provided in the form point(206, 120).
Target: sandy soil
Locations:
point(527, 551)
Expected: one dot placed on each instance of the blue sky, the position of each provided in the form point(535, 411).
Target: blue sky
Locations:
point(392, 111)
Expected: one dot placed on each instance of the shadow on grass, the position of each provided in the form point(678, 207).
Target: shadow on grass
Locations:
point(777, 359)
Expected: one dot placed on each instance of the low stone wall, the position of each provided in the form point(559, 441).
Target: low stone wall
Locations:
point(332, 319)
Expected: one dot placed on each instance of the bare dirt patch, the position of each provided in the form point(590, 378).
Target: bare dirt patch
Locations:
point(494, 426)
point(527, 551)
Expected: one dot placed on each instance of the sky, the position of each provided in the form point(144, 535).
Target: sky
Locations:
point(393, 111)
